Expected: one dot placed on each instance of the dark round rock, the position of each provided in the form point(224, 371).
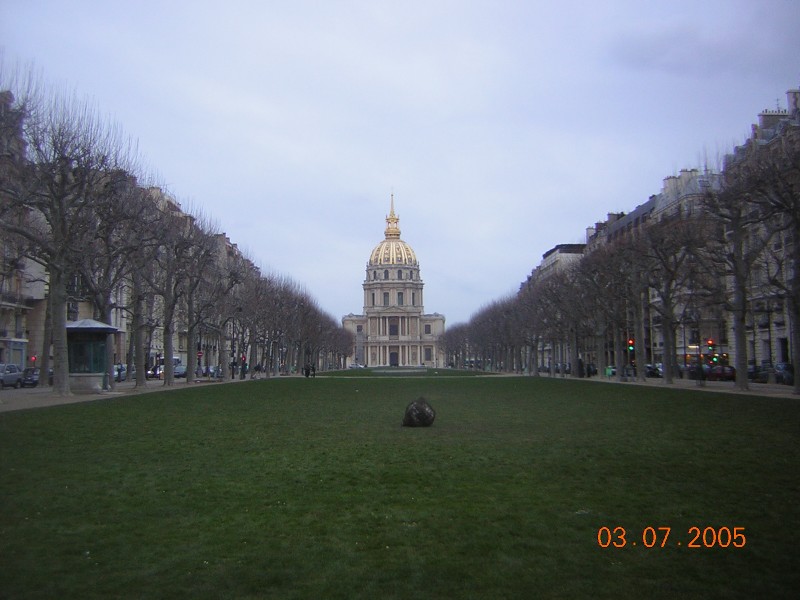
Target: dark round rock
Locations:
point(419, 414)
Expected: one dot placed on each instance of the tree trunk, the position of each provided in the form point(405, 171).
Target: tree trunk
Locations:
point(253, 356)
point(225, 361)
point(639, 350)
point(47, 343)
point(58, 299)
point(169, 343)
point(191, 343)
point(619, 355)
point(794, 308)
point(739, 314)
point(110, 365)
point(138, 325)
point(668, 330)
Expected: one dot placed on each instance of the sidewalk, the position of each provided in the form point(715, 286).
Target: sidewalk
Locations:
point(39, 397)
point(773, 390)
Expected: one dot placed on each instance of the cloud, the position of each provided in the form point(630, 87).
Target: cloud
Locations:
point(503, 128)
point(717, 40)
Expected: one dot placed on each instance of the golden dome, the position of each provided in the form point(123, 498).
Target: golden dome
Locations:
point(392, 250)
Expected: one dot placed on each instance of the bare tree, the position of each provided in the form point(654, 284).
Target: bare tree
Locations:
point(455, 343)
point(605, 274)
point(209, 276)
point(773, 171)
point(49, 199)
point(181, 247)
point(114, 235)
point(670, 248)
point(740, 242)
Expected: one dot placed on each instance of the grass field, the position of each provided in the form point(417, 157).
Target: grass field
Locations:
point(309, 488)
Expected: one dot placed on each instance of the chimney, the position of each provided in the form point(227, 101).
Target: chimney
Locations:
point(671, 186)
point(769, 119)
point(793, 103)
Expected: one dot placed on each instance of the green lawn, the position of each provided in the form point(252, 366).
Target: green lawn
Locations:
point(309, 488)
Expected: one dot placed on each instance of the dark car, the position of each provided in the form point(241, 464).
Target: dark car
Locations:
point(652, 371)
point(215, 372)
point(721, 373)
point(180, 371)
point(30, 377)
point(10, 375)
point(784, 373)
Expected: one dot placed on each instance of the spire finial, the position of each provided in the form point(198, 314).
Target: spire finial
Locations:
point(392, 230)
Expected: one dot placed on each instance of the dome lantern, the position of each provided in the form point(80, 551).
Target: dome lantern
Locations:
point(392, 251)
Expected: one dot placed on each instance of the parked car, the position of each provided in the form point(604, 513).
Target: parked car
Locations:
point(10, 375)
point(784, 373)
point(752, 370)
point(180, 371)
point(691, 371)
point(652, 371)
point(30, 377)
point(761, 375)
point(721, 373)
point(215, 372)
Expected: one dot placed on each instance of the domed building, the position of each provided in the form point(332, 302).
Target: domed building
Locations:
point(394, 330)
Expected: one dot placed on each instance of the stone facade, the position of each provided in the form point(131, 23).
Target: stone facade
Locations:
point(393, 330)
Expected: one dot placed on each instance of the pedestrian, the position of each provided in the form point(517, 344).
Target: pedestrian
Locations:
point(313, 371)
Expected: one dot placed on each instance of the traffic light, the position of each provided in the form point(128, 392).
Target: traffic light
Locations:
point(33, 359)
point(631, 345)
point(710, 345)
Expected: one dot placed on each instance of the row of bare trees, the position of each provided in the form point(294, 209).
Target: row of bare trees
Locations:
point(736, 247)
point(278, 327)
point(71, 201)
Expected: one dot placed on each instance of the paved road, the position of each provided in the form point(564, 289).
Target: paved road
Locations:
point(38, 397)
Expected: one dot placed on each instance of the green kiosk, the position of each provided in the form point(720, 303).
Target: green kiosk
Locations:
point(86, 348)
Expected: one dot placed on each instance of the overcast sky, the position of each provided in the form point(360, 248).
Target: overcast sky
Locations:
point(502, 128)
